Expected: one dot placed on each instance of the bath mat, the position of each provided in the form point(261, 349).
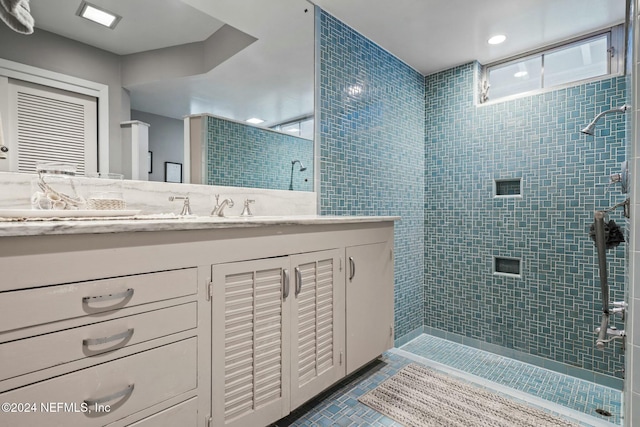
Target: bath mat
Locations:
point(420, 397)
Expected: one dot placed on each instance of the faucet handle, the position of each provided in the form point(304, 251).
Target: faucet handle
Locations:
point(246, 211)
point(186, 208)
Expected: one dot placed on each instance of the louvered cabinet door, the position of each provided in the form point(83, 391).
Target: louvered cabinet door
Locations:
point(317, 328)
point(250, 346)
point(53, 125)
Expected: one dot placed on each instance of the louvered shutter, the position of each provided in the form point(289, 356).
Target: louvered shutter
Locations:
point(318, 325)
point(315, 320)
point(53, 125)
point(250, 372)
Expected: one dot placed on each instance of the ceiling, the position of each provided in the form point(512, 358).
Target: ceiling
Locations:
point(272, 78)
point(434, 35)
point(146, 24)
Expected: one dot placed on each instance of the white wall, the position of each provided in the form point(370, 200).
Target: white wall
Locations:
point(54, 53)
point(166, 137)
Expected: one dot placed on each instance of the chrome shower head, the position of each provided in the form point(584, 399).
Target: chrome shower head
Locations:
point(588, 130)
point(302, 167)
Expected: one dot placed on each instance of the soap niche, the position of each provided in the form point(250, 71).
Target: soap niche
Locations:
point(508, 187)
point(507, 266)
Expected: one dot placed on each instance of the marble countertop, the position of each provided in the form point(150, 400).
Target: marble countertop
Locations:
point(40, 227)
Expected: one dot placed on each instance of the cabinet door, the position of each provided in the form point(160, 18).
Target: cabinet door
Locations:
point(317, 328)
point(369, 309)
point(250, 342)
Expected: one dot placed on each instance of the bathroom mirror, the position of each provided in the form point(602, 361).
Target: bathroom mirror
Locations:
point(168, 59)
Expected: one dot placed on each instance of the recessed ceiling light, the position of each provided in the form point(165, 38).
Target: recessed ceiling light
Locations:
point(98, 15)
point(255, 121)
point(497, 39)
point(520, 74)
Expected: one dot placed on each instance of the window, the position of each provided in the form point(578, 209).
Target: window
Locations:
point(301, 127)
point(591, 57)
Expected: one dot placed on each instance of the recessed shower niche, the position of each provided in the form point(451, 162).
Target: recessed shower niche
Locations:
point(507, 266)
point(508, 187)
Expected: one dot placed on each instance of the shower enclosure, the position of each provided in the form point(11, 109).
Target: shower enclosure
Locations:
point(510, 267)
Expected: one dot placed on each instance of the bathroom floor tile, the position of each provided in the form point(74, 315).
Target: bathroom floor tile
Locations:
point(339, 406)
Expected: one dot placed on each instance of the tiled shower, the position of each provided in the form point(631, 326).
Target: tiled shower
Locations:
point(547, 313)
point(231, 143)
point(393, 142)
point(371, 124)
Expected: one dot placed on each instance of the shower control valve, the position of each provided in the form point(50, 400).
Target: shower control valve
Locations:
point(612, 333)
point(619, 308)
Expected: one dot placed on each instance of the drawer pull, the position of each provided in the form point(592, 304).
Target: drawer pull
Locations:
point(97, 341)
point(120, 295)
point(101, 401)
point(298, 281)
point(285, 278)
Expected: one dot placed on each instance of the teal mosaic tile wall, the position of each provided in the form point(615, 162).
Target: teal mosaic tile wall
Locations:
point(371, 120)
point(240, 155)
point(553, 309)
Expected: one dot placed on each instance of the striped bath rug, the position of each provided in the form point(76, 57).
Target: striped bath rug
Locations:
point(420, 397)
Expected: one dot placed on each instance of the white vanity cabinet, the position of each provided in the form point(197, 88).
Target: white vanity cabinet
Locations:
point(369, 313)
point(278, 335)
point(93, 332)
point(224, 323)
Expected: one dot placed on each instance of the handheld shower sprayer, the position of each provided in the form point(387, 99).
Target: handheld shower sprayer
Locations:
point(588, 130)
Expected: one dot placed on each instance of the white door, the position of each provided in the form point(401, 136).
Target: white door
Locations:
point(48, 124)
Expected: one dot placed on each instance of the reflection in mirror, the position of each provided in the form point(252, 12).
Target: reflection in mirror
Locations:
point(232, 153)
point(168, 59)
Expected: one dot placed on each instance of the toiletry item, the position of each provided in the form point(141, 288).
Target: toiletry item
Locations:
point(55, 187)
point(105, 191)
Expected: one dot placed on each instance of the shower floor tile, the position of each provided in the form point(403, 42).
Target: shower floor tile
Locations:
point(339, 406)
point(570, 392)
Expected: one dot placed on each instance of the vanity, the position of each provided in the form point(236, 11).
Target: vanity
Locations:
point(191, 322)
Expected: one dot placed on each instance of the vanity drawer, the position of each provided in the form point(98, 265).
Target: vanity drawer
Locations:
point(95, 340)
point(128, 385)
point(183, 414)
point(20, 309)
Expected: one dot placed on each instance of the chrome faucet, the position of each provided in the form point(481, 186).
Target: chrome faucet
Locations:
point(218, 210)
